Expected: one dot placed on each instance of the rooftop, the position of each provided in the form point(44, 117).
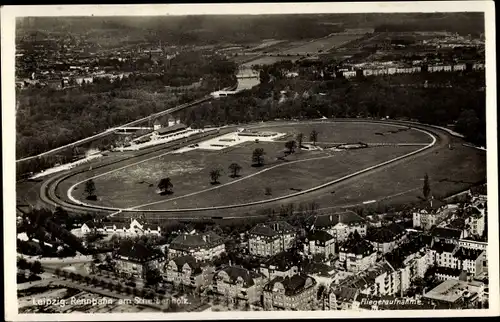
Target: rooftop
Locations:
point(282, 261)
point(357, 246)
point(319, 235)
point(386, 234)
point(347, 217)
point(443, 232)
point(272, 229)
point(448, 271)
point(190, 260)
point(443, 248)
point(237, 271)
point(449, 291)
point(196, 241)
point(466, 253)
point(173, 128)
point(137, 252)
point(292, 285)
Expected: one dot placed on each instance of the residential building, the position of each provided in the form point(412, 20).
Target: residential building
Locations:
point(386, 238)
point(283, 264)
point(203, 246)
point(135, 259)
point(134, 228)
point(472, 244)
point(340, 298)
point(430, 214)
point(448, 235)
point(441, 255)
point(452, 256)
point(186, 270)
point(471, 260)
point(319, 242)
point(239, 284)
point(340, 225)
point(356, 255)
point(295, 293)
point(271, 238)
point(475, 221)
point(446, 273)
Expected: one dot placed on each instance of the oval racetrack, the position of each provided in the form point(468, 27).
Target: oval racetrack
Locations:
point(48, 193)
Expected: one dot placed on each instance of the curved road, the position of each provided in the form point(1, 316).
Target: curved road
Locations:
point(441, 140)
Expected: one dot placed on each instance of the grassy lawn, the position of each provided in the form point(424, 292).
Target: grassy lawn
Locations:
point(343, 132)
point(450, 171)
point(324, 44)
point(190, 173)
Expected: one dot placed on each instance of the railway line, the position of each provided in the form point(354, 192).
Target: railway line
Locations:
point(49, 195)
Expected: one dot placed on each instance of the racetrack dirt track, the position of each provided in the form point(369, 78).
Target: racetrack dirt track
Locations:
point(372, 184)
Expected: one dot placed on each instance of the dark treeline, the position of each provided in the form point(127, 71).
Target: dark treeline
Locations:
point(48, 118)
point(448, 98)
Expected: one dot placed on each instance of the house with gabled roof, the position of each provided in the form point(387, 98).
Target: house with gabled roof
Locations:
point(283, 264)
point(136, 227)
point(319, 242)
point(386, 238)
point(186, 270)
point(135, 259)
point(291, 293)
point(430, 214)
point(202, 246)
point(238, 284)
point(271, 238)
point(356, 254)
point(340, 224)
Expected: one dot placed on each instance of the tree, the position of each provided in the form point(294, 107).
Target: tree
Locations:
point(268, 191)
point(36, 268)
point(153, 276)
point(321, 290)
point(165, 185)
point(291, 145)
point(258, 156)
point(235, 168)
point(215, 175)
point(300, 138)
point(22, 263)
point(90, 189)
point(314, 137)
point(426, 190)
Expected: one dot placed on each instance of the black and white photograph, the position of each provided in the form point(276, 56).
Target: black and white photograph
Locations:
point(250, 160)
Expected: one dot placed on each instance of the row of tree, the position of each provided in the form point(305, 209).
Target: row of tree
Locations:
point(457, 99)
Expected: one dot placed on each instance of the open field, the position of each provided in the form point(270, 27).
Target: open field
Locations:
point(450, 171)
point(322, 45)
point(465, 166)
point(343, 132)
point(136, 185)
point(288, 178)
point(188, 171)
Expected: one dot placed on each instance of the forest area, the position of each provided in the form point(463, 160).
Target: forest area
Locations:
point(447, 99)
